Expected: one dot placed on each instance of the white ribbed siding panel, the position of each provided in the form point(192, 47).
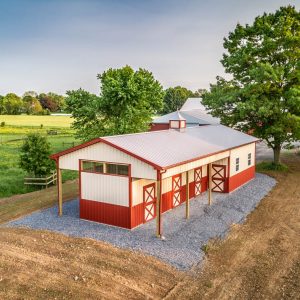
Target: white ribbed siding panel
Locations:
point(195, 164)
point(137, 190)
point(105, 188)
point(104, 152)
point(242, 154)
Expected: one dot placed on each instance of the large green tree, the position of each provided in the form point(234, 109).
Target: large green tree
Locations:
point(126, 104)
point(12, 104)
point(175, 97)
point(263, 95)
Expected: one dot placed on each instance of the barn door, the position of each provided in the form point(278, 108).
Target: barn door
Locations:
point(149, 202)
point(218, 178)
point(176, 188)
point(197, 179)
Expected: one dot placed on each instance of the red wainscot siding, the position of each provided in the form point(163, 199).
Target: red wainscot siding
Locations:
point(239, 179)
point(111, 214)
point(155, 127)
point(137, 215)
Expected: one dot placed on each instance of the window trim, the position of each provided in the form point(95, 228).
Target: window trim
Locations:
point(81, 161)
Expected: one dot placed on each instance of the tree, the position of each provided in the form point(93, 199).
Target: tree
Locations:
point(127, 102)
point(2, 109)
point(85, 107)
point(32, 105)
point(200, 92)
point(264, 93)
point(34, 157)
point(175, 98)
point(12, 104)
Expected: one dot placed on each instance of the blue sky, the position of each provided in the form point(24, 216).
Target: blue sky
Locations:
point(59, 45)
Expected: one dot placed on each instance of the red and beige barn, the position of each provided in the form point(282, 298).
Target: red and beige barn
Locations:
point(127, 180)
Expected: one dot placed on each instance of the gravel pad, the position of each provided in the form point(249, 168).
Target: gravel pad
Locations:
point(183, 238)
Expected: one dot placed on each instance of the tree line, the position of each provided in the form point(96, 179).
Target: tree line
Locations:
point(31, 103)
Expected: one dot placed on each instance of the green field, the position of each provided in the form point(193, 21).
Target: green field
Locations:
point(36, 121)
point(11, 139)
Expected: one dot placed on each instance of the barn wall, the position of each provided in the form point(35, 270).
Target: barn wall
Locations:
point(105, 188)
point(105, 213)
point(242, 154)
point(104, 152)
point(155, 127)
point(195, 164)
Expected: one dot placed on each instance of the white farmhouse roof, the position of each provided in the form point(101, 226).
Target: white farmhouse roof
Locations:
point(192, 111)
point(166, 148)
point(192, 103)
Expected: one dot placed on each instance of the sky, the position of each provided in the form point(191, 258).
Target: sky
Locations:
point(60, 45)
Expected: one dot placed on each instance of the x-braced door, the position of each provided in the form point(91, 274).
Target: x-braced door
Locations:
point(176, 188)
point(149, 202)
point(218, 178)
point(197, 179)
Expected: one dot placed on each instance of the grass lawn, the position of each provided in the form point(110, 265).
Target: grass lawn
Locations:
point(11, 139)
point(36, 121)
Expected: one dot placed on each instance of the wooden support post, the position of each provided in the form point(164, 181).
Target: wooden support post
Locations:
point(209, 184)
point(187, 201)
point(59, 191)
point(158, 206)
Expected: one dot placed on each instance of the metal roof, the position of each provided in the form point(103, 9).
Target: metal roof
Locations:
point(166, 148)
point(192, 103)
point(192, 111)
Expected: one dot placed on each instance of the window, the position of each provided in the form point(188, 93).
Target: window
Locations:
point(105, 168)
point(249, 159)
point(88, 166)
point(237, 164)
point(116, 169)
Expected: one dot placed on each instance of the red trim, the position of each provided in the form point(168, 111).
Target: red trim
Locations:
point(131, 154)
point(72, 149)
point(177, 190)
point(106, 162)
point(130, 192)
point(204, 156)
point(153, 202)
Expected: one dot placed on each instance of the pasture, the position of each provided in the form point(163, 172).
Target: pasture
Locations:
point(11, 138)
point(36, 121)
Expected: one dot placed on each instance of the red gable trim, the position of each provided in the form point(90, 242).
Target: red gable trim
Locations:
point(69, 150)
point(100, 140)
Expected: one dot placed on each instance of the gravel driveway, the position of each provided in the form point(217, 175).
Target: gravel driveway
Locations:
point(183, 238)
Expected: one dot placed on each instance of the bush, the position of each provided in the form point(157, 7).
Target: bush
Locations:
point(34, 157)
point(270, 166)
point(2, 124)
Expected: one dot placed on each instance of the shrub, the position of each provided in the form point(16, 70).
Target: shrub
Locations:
point(2, 124)
point(270, 166)
point(34, 157)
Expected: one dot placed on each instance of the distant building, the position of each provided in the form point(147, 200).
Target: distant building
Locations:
point(192, 111)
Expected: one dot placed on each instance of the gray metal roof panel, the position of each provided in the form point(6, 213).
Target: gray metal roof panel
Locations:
point(169, 147)
point(192, 103)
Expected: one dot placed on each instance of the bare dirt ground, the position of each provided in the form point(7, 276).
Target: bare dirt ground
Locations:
point(259, 260)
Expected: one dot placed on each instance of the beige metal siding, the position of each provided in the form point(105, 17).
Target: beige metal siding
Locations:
point(195, 164)
point(105, 188)
point(103, 152)
point(242, 154)
point(137, 190)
